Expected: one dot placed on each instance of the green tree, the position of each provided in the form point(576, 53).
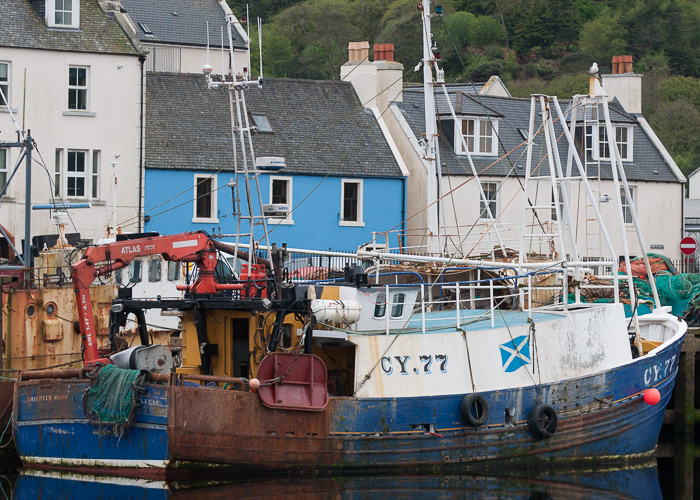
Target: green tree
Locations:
point(546, 27)
point(683, 88)
point(603, 38)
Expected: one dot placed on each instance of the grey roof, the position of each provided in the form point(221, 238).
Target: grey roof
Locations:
point(23, 27)
point(319, 127)
point(181, 22)
point(513, 115)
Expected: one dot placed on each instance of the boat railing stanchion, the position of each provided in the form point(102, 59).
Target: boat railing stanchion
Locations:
point(387, 311)
point(492, 302)
point(422, 305)
point(529, 295)
point(457, 303)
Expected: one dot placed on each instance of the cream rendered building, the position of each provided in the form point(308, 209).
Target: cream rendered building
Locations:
point(75, 80)
point(498, 123)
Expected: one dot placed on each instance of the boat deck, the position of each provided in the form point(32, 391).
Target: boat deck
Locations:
point(475, 319)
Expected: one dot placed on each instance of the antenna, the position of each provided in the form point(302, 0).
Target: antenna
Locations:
point(260, 45)
point(247, 21)
point(223, 67)
point(207, 42)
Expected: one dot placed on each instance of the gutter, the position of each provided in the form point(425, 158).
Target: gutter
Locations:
point(142, 60)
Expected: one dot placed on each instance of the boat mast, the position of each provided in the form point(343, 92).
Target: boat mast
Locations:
point(433, 184)
point(246, 173)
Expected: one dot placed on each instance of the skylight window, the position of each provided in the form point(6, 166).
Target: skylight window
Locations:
point(260, 120)
point(147, 31)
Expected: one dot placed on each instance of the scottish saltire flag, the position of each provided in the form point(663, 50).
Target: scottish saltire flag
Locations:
point(515, 353)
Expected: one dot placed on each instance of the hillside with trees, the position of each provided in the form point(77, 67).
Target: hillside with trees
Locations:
point(542, 46)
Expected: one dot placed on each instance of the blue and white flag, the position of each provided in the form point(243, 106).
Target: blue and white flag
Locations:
point(515, 353)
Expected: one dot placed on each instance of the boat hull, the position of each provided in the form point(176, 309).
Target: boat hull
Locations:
point(601, 419)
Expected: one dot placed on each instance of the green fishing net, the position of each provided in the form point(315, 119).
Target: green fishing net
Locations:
point(111, 399)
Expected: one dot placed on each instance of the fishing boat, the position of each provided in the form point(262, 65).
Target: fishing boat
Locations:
point(507, 367)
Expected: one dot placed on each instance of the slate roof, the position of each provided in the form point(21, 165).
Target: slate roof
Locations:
point(24, 27)
point(320, 127)
point(513, 114)
point(180, 22)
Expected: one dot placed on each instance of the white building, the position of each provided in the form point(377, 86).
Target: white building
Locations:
point(74, 78)
point(175, 34)
point(493, 124)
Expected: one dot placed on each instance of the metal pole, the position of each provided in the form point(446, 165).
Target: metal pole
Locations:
point(28, 203)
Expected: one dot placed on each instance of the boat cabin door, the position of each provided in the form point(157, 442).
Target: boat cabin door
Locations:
point(240, 352)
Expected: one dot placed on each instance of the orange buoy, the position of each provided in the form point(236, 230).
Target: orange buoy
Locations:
point(652, 396)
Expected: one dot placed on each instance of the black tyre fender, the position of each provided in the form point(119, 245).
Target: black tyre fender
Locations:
point(542, 421)
point(474, 409)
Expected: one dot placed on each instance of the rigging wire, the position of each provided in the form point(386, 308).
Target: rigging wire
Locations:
point(488, 116)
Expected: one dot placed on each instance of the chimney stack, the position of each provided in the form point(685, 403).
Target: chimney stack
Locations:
point(377, 83)
point(624, 84)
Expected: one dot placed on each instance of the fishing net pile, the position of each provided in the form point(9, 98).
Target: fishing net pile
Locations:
point(680, 291)
point(111, 400)
point(657, 262)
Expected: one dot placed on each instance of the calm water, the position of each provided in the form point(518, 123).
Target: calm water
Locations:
point(655, 481)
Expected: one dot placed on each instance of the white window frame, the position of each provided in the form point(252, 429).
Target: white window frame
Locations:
point(51, 15)
point(360, 201)
point(94, 176)
point(479, 122)
point(212, 193)
point(627, 144)
point(493, 202)
point(5, 84)
point(626, 212)
point(79, 88)
point(91, 175)
point(287, 219)
point(77, 175)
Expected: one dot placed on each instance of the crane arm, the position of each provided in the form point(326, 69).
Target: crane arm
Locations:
point(195, 247)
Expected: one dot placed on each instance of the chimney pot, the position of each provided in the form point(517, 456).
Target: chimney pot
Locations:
point(389, 52)
point(352, 51)
point(628, 64)
point(363, 48)
point(616, 65)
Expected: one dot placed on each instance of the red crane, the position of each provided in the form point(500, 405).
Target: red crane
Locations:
point(196, 247)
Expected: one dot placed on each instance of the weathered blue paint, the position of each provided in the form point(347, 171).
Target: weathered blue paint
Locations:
point(316, 201)
point(601, 417)
point(50, 423)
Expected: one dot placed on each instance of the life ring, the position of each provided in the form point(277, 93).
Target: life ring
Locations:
point(542, 421)
point(474, 409)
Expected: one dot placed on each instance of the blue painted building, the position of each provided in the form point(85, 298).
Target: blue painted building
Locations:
point(342, 179)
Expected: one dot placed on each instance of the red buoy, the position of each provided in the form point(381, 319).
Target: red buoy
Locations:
point(652, 396)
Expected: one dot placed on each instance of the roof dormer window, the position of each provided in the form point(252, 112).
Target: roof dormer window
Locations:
point(63, 13)
point(479, 134)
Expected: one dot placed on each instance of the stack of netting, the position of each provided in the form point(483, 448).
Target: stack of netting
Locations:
point(111, 400)
point(658, 263)
point(678, 291)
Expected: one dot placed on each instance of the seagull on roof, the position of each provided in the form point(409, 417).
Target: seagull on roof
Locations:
point(594, 69)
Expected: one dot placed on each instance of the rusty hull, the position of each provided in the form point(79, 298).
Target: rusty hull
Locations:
point(233, 427)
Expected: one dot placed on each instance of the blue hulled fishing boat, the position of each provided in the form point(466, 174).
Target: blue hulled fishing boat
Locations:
point(473, 363)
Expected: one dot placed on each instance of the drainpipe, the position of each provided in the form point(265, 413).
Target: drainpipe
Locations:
point(142, 60)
